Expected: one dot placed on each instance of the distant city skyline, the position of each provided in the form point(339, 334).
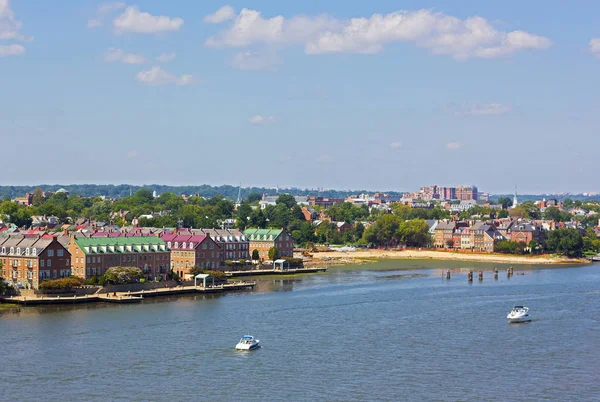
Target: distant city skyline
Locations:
point(362, 95)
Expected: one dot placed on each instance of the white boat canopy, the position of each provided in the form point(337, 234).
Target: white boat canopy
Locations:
point(281, 263)
point(203, 277)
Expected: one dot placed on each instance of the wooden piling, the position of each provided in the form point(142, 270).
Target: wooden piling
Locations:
point(470, 276)
point(448, 274)
point(496, 274)
point(480, 277)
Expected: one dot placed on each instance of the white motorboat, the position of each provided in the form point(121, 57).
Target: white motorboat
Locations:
point(247, 343)
point(519, 314)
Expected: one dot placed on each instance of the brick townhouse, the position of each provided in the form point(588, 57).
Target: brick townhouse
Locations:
point(188, 251)
point(263, 239)
point(92, 256)
point(26, 261)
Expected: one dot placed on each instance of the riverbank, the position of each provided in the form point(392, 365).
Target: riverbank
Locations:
point(334, 258)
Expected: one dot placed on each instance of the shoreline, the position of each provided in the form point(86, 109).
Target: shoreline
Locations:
point(336, 258)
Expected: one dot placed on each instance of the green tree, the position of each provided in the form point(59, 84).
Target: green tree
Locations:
point(555, 214)
point(123, 275)
point(287, 199)
point(506, 202)
point(253, 197)
point(38, 197)
point(255, 255)
point(414, 233)
point(273, 253)
point(502, 214)
point(565, 241)
point(243, 216)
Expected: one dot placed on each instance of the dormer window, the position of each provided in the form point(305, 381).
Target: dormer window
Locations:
point(191, 245)
point(176, 244)
point(34, 251)
point(18, 250)
point(169, 244)
point(184, 244)
point(3, 250)
point(27, 251)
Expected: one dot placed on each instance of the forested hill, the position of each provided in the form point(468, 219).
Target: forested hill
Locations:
point(123, 190)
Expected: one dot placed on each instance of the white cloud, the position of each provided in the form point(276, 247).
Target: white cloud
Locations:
point(127, 58)
point(133, 20)
point(166, 57)
point(9, 27)
point(157, 76)
point(221, 15)
point(438, 32)
point(103, 11)
point(261, 120)
point(11, 50)
point(396, 144)
point(249, 28)
point(249, 60)
point(595, 46)
point(489, 109)
point(454, 145)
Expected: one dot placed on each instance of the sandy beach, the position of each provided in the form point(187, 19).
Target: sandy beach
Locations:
point(364, 256)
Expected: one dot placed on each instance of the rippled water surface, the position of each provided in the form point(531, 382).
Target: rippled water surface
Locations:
point(387, 331)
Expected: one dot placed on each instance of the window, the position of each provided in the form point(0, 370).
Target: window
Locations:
point(76, 260)
point(59, 253)
point(94, 260)
point(88, 260)
point(169, 244)
point(49, 263)
point(41, 263)
point(27, 251)
point(19, 250)
point(50, 253)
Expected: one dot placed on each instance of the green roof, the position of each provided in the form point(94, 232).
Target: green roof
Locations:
point(262, 234)
point(112, 245)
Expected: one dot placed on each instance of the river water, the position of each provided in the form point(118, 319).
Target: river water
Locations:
point(393, 330)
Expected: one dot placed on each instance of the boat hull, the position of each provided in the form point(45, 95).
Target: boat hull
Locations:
point(242, 346)
point(517, 320)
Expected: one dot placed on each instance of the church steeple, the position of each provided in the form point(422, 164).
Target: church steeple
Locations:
point(515, 200)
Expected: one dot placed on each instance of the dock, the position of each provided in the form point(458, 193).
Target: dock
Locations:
point(126, 297)
point(291, 271)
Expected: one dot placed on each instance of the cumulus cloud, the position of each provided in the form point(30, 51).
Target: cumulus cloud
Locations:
point(11, 50)
point(396, 144)
point(133, 20)
point(440, 33)
point(156, 76)
point(261, 120)
point(102, 12)
point(249, 60)
point(221, 15)
point(595, 46)
point(166, 57)
point(9, 27)
point(454, 145)
point(114, 54)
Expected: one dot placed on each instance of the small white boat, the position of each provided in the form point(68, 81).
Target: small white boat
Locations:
point(519, 314)
point(247, 343)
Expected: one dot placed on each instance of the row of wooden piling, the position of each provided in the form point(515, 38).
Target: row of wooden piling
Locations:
point(509, 273)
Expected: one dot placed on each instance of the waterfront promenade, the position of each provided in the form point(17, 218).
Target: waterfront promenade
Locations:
point(126, 297)
point(291, 271)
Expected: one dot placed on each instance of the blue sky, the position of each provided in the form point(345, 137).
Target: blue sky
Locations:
point(375, 95)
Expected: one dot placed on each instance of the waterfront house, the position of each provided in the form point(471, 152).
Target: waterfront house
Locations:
point(188, 251)
point(92, 256)
point(233, 243)
point(26, 261)
point(263, 239)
